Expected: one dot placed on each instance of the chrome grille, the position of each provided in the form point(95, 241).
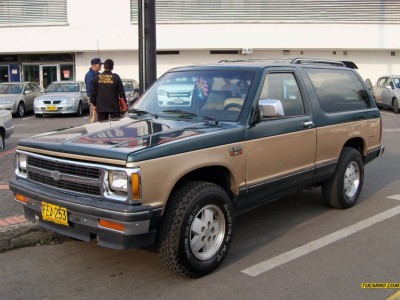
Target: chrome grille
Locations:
point(65, 168)
point(62, 175)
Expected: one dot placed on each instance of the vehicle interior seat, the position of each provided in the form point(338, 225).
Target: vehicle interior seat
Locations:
point(216, 100)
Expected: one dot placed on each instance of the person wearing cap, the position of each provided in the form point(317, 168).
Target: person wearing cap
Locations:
point(94, 70)
point(107, 89)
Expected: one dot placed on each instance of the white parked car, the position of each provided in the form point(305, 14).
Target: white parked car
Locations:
point(387, 92)
point(176, 92)
point(6, 127)
point(62, 97)
point(17, 97)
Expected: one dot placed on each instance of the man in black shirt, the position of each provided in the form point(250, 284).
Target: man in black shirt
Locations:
point(107, 89)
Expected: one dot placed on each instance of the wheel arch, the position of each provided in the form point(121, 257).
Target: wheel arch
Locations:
point(357, 143)
point(218, 175)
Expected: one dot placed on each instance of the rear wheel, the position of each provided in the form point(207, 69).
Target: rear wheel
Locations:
point(396, 105)
point(196, 231)
point(20, 110)
point(344, 188)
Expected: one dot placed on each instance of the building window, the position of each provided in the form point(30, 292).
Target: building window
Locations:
point(272, 11)
point(33, 12)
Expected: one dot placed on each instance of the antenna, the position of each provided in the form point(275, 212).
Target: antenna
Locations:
point(98, 49)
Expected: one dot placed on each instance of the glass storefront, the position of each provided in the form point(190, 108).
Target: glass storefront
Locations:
point(31, 73)
point(39, 68)
point(4, 73)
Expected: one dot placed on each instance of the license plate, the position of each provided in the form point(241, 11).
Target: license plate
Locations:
point(51, 107)
point(178, 100)
point(54, 213)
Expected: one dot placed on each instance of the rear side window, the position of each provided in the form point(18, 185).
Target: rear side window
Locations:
point(338, 90)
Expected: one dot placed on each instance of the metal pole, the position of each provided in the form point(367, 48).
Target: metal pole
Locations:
point(141, 34)
point(150, 40)
point(147, 43)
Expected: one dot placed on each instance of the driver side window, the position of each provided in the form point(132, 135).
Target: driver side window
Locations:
point(284, 88)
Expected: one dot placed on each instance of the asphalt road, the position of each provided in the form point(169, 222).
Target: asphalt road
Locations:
point(295, 248)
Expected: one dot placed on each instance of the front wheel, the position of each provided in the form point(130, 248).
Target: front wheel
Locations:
point(20, 110)
point(2, 143)
point(344, 188)
point(395, 106)
point(79, 110)
point(196, 231)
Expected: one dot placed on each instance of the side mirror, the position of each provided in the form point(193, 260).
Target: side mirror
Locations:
point(27, 92)
point(83, 90)
point(389, 87)
point(270, 108)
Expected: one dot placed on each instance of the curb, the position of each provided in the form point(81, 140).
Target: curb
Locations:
point(18, 232)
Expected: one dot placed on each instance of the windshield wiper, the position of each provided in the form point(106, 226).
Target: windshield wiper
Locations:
point(140, 112)
point(189, 113)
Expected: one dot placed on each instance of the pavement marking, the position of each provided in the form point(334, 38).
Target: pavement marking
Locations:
point(27, 118)
point(395, 296)
point(4, 187)
point(286, 257)
point(395, 197)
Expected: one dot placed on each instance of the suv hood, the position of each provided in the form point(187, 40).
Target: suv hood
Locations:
point(125, 137)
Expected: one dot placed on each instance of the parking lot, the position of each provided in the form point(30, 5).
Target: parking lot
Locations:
point(295, 248)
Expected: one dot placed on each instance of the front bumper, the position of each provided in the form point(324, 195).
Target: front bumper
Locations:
point(140, 222)
point(11, 107)
point(9, 131)
point(61, 109)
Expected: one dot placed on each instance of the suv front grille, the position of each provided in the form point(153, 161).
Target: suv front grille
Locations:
point(62, 175)
point(65, 168)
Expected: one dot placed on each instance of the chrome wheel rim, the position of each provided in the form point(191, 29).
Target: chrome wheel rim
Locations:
point(352, 179)
point(207, 232)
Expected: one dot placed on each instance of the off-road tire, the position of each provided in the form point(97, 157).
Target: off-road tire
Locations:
point(197, 211)
point(344, 188)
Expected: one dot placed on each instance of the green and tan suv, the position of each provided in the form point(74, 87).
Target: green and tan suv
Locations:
point(176, 175)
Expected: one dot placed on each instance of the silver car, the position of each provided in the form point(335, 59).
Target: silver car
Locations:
point(62, 97)
point(17, 97)
point(6, 127)
point(131, 88)
point(387, 92)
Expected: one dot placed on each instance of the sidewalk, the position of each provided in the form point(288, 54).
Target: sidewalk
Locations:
point(17, 232)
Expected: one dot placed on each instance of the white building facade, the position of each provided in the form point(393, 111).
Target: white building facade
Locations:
point(47, 40)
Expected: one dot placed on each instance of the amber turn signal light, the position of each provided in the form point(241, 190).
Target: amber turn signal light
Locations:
point(21, 198)
point(112, 225)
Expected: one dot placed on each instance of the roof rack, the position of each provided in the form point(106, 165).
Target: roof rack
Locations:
point(348, 64)
point(286, 60)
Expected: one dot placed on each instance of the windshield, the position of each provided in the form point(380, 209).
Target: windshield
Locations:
point(63, 88)
point(397, 82)
point(9, 89)
point(217, 94)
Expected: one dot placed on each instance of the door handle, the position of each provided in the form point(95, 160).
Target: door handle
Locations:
point(308, 124)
